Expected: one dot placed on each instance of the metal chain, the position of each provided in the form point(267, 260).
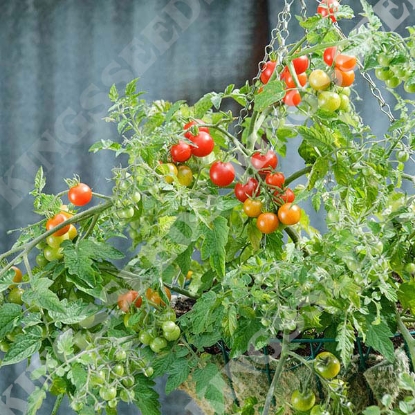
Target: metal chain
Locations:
point(279, 33)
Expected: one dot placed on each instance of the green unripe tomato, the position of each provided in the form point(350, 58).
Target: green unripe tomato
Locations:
point(77, 406)
point(157, 344)
point(383, 73)
point(15, 295)
point(318, 410)
point(392, 82)
point(98, 378)
point(4, 346)
point(409, 88)
point(329, 101)
point(108, 393)
point(172, 334)
point(118, 370)
point(148, 372)
point(53, 254)
point(127, 395)
point(145, 337)
point(402, 156)
point(303, 401)
point(128, 381)
point(41, 261)
point(345, 103)
point(327, 365)
point(120, 355)
point(112, 403)
point(410, 268)
point(383, 59)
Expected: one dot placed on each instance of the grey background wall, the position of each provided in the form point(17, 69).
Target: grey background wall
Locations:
point(58, 59)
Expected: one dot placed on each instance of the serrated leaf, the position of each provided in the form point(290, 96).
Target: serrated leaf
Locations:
point(64, 343)
point(345, 340)
point(203, 105)
point(202, 312)
point(249, 333)
point(162, 364)
point(131, 87)
point(173, 109)
point(25, 345)
point(229, 322)
point(372, 410)
point(379, 337)
point(147, 399)
point(9, 313)
point(40, 295)
point(73, 312)
point(272, 92)
point(406, 295)
point(254, 235)
point(178, 373)
point(78, 376)
point(213, 247)
point(113, 94)
point(35, 401)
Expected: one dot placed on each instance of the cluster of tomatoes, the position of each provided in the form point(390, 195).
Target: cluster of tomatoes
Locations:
point(330, 85)
point(393, 74)
point(327, 367)
point(79, 194)
point(328, 8)
point(154, 329)
point(282, 197)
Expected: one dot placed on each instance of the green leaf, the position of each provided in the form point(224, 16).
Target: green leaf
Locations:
point(379, 337)
point(202, 313)
point(254, 235)
point(272, 92)
point(229, 322)
point(210, 385)
point(213, 247)
point(25, 345)
point(345, 340)
point(372, 410)
point(35, 401)
point(113, 94)
point(131, 87)
point(248, 333)
point(147, 399)
point(64, 343)
point(73, 312)
point(178, 372)
point(203, 105)
point(39, 294)
point(406, 296)
point(162, 364)
point(173, 109)
point(78, 376)
point(9, 313)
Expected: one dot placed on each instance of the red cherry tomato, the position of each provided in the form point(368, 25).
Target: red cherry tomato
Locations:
point(181, 152)
point(54, 222)
point(287, 196)
point(80, 194)
point(328, 8)
point(267, 71)
point(249, 189)
point(301, 64)
point(203, 144)
point(264, 163)
point(222, 173)
point(275, 180)
point(329, 55)
point(344, 62)
point(292, 98)
point(190, 124)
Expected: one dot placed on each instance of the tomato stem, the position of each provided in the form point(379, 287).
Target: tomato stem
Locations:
point(182, 291)
point(285, 348)
point(57, 404)
point(407, 336)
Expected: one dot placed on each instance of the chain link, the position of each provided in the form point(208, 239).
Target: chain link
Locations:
point(279, 34)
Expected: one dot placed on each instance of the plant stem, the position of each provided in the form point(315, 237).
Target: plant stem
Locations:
point(58, 402)
point(297, 174)
point(285, 348)
point(182, 291)
point(409, 340)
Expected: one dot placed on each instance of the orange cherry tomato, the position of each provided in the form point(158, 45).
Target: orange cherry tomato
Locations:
point(289, 214)
point(55, 221)
point(252, 207)
point(344, 62)
point(342, 78)
point(126, 300)
point(267, 222)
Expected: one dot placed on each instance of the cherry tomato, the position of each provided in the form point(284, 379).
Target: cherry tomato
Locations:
point(290, 82)
point(327, 365)
point(342, 78)
point(329, 101)
point(328, 8)
point(267, 71)
point(345, 103)
point(18, 276)
point(171, 331)
point(275, 180)
point(157, 344)
point(318, 410)
point(301, 64)
point(53, 254)
point(402, 156)
point(154, 296)
point(384, 59)
point(409, 88)
point(287, 196)
point(15, 295)
point(292, 98)
point(172, 172)
point(145, 337)
point(329, 55)
point(4, 346)
point(222, 174)
point(126, 300)
point(264, 163)
point(80, 194)
point(118, 370)
point(303, 401)
point(383, 73)
point(180, 152)
point(72, 233)
point(249, 189)
point(185, 175)
point(54, 222)
point(203, 144)
point(108, 393)
point(190, 124)
point(120, 355)
point(319, 80)
point(289, 214)
point(267, 222)
point(55, 241)
point(41, 261)
point(252, 207)
point(345, 63)
point(392, 82)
